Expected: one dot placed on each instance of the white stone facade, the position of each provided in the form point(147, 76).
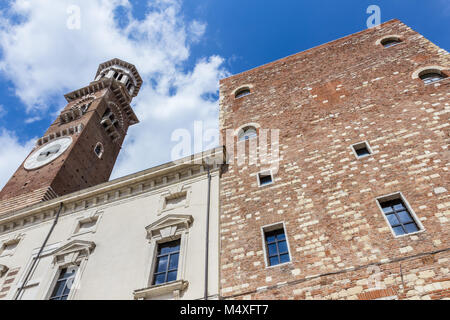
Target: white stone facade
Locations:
point(110, 233)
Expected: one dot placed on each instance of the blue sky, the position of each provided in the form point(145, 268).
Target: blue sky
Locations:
point(182, 49)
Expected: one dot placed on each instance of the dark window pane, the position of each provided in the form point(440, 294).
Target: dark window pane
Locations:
point(274, 261)
point(242, 93)
point(58, 289)
point(388, 209)
point(64, 298)
point(393, 220)
point(399, 230)
point(270, 237)
point(282, 246)
point(362, 152)
point(281, 235)
point(399, 207)
point(265, 179)
point(162, 264)
point(67, 288)
point(172, 276)
point(411, 227)
point(272, 249)
point(405, 217)
point(169, 247)
point(160, 278)
point(174, 261)
point(284, 258)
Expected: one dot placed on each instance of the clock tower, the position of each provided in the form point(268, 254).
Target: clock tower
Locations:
point(80, 147)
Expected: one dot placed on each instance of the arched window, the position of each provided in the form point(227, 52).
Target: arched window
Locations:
point(242, 92)
point(247, 133)
point(390, 42)
point(430, 76)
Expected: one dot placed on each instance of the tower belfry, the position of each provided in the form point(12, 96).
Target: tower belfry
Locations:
point(81, 146)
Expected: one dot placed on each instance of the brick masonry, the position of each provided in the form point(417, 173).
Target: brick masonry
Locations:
point(78, 167)
point(323, 101)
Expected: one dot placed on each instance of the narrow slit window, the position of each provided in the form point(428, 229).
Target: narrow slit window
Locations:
point(276, 247)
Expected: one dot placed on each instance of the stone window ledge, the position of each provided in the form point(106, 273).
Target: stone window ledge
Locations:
point(175, 287)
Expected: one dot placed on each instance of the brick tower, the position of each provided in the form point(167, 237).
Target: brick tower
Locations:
point(358, 205)
point(81, 146)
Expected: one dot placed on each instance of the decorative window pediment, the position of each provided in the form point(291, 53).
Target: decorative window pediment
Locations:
point(169, 227)
point(73, 252)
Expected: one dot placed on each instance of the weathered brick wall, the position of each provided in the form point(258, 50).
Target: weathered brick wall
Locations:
point(77, 168)
point(324, 100)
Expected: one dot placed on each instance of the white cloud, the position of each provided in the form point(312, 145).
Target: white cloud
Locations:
point(12, 154)
point(45, 59)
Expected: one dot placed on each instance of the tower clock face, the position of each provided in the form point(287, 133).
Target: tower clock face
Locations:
point(47, 153)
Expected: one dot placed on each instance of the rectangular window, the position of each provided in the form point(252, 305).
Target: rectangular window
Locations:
point(399, 216)
point(276, 246)
point(64, 284)
point(166, 268)
point(361, 150)
point(265, 178)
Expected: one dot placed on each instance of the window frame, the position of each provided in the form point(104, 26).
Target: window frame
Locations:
point(429, 72)
point(265, 172)
point(168, 228)
point(366, 144)
point(242, 131)
point(270, 228)
point(239, 94)
point(57, 279)
point(395, 196)
point(155, 264)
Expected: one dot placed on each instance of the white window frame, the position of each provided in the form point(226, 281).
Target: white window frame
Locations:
point(269, 228)
point(394, 196)
point(366, 144)
point(74, 253)
point(169, 228)
point(265, 172)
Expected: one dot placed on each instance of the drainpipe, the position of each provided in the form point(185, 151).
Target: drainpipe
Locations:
point(207, 233)
point(35, 260)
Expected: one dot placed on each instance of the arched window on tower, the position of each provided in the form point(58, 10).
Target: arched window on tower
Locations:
point(431, 76)
point(391, 41)
point(242, 92)
point(247, 133)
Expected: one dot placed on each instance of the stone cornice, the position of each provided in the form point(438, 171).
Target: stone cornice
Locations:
point(142, 182)
point(118, 89)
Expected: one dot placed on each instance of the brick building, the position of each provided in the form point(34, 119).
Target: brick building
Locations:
point(357, 207)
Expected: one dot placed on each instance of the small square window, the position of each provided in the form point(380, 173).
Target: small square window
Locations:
point(265, 178)
point(362, 150)
point(277, 251)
